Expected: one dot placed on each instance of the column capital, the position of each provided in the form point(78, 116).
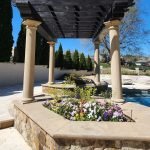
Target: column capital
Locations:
point(112, 24)
point(96, 43)
point(31, 23)
point(51, 43)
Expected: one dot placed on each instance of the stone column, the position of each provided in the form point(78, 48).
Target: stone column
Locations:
point(116, 81)
point(97, 63)
point(51, 62)
point(28, 84)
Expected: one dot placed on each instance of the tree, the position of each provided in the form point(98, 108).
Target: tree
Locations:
point(6, 38)
point(76, 62)
point(132, 34)
point(82, 62)
point(56, 59)
point(42, 51)
point(60, 57)
point(19, 53)
point(89, 64)
point(68, 60)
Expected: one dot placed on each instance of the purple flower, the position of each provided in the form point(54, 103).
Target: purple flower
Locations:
point(117, 114)
point(106, 116)
point(110, 112)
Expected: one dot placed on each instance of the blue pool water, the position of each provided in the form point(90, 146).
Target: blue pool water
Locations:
point(143, 100)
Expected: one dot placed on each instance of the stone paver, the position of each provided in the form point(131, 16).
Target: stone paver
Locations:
point(10, 139)
point(9, 94)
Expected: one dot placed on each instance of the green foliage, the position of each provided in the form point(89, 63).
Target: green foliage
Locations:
point(60, 57)
point(86, 93)
point(6, 38)
point(56, 59)
point(105, 65)
point(70, 79)
point(74, 79)
point(82, 62)
point(42, 51)
point(19, 53)
point(76, 63)
point(89, 64)
point(106, 94)
point(68, 60)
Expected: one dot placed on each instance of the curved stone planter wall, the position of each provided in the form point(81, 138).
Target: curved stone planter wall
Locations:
point(45, 130)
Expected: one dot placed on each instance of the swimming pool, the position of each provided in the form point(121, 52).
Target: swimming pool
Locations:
point(143, 100)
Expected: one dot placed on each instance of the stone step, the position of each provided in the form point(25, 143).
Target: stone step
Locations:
point(6, 123)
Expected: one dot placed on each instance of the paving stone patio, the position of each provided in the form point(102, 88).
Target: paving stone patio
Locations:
point(10, 139)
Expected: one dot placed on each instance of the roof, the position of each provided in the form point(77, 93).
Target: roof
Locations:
point(72, 18)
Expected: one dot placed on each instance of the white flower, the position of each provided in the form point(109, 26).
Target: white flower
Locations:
point(99, 118)
point(85, 110)
point(93, 104)
point(86, 105)
point(95, 110)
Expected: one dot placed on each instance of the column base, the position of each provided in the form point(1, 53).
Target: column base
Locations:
point(97, 83)
point(115, 100)
point(27, 100)
point(50, 82)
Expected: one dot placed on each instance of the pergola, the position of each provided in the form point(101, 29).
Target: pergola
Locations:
point(72, 19)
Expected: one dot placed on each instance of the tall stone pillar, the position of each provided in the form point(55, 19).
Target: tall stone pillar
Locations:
point(97, 63)
point(116, 81)
point(51, 62)
point(28, 84)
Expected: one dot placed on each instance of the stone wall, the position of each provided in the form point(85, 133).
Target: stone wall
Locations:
point(11, 74)
point(38, 139)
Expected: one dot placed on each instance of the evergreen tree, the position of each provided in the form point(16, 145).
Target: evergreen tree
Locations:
point(89, 64)
point(82, 62)
point(60, 57)
point(68, 60)
point(42, 51)
point(76, 63)
point(42, 48)
point(19, 54)
point(6, 38)
point(56, 59)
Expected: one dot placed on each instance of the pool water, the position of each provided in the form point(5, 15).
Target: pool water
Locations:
point(143, 100)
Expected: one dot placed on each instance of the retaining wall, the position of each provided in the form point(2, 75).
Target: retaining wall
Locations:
point(11, 74)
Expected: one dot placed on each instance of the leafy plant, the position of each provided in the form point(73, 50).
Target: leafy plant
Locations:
point(106, 94)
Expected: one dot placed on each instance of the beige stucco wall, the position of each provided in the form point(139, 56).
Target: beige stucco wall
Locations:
point(11, 74)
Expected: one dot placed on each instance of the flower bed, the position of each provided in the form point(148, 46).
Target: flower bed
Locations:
point(88, 111)
point(78, 105)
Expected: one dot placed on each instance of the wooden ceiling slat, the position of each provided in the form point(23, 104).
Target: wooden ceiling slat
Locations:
point(73, 18)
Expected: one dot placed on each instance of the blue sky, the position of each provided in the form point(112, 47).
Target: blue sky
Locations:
point(85, 45)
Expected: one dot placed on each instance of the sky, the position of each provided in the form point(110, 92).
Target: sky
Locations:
point(85, 45)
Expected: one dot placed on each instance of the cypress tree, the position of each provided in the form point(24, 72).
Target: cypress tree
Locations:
point(76, 63)
point(60, 57)
point(68, 60)
point(56, 59)
point(89, 64)
point(82, 62)
point(44, 57)
point(19, 54)
point(42, 51)
point(6, 38)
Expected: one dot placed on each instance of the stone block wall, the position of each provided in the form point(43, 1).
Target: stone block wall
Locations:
point(39, 139)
